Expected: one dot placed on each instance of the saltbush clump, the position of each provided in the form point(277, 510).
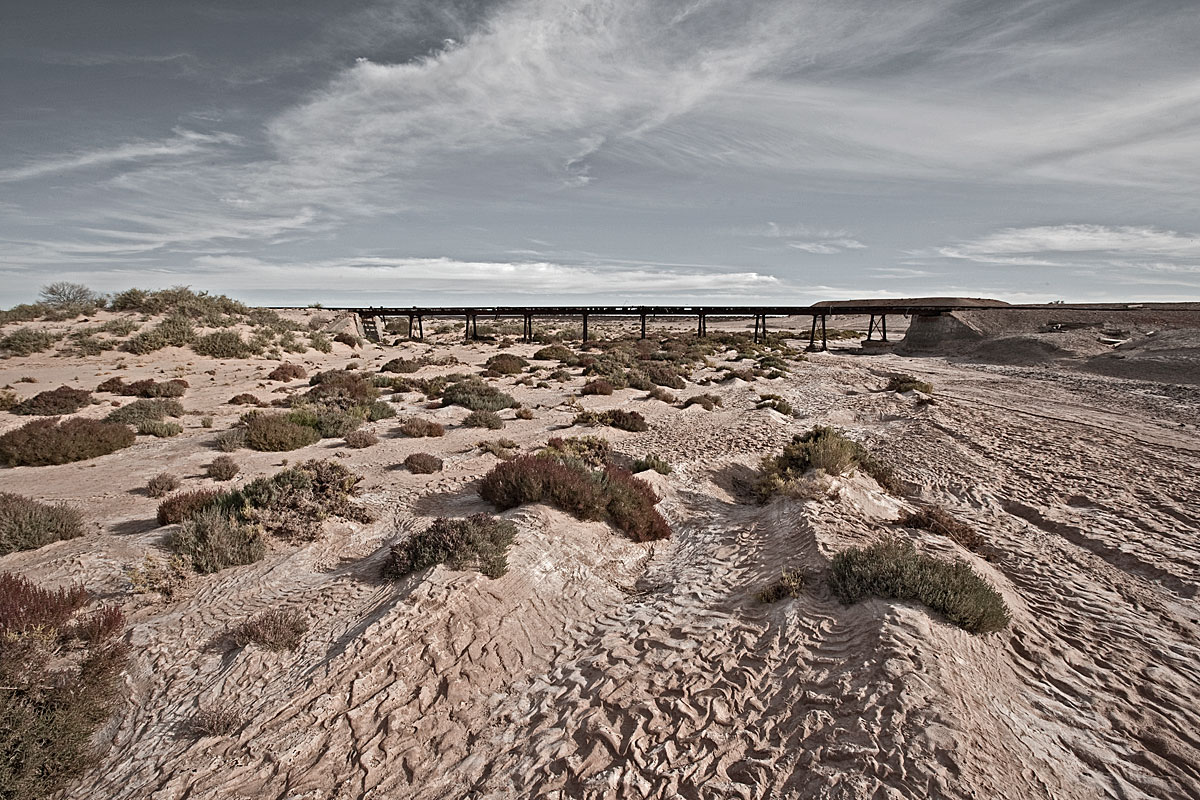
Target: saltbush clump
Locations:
point(162, 484)
point(500, 448)
point(591, 450)
point(26, 342)
point(661, 394)
point(27, 524)
point(597, 386)
point(63, 400)
point(476, 395)
point(49, 441)
point(179, 507)
point(825, 449)
point(160, 429)
point(484, 419)
point(892, 568)
point(659, 465)
point(423, 463)
point(292, 503)
point(277, 433)
point(616, 418)
point(506, 364)
point(775, 403)
point(244, 399)
point(222, 468)
point(706, 401)
point(144, 410)
point(900, 382)
point(287, 372)
point(144, 388)
point(416, 428)
point(479, 542)
point(612, 493)
point(403, 365)
point(224, 344)
point(361, 439)
point(214, 540)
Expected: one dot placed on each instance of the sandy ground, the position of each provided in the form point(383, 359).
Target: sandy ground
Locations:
point(601, 668)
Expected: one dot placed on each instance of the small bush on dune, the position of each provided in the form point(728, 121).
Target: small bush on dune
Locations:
point(244, 399)
point(179, 507)
point(706, 401)
point(223, 468)
point(292, 503)
point(556, 352)
point(320, 342)
point(144, 410)
point(597, 386)
point(506, 364)
point(500, 448)
point(276, 433)
point(775, 403)
point(591, 450)
point(216, 719)
point(403, 366)
point(524, 413)
point(616, 418)
point(821, 448)
point(476, 396)
point(659, 465)
point(224, 344)
point(423, 463)
point(342, 388)
point(329, 420)
point(214, 541)
point(484, 419)
point(361, 439)
point(661, 394)
point(479, 542)
point(164, 576)
point(348, 339)
point(287, 372)
point(8, 399)
point(940, 521)
point(416, 428)
point(49, 441)
point(630, 506)
point(63, 400)
point(27, 524)
point(162, 484)
point(893, 568)
point(26, 342)
point(664, 376)
point(790, 584)
point(162, 430)
point(230, 440)
point(144, 388)
point(277, 630)
point(900, 382)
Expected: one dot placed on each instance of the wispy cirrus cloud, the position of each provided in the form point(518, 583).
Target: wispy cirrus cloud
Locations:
point(183, 143)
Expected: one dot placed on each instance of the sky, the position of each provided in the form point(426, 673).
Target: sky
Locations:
point(425, 152)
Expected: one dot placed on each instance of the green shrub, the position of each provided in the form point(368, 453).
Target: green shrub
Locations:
point(597, 386)
point(49, 441)
point(222, 468)
point(556, 352)
point(287, 372)
point(230, 440)
point(224, 344)
point(320, 342)
point(50, 707)
point(27, 524)
point(476, 396)
point(162, 484)
point(664, 376)
point(591, 450)
point(940, 521)
point(277, 433)
point(63, 400)
point(277, 629)
point(178, 507)
point(416, 428)
point(361, 439)
point(214, 541)
point(479, 542)
point(423, 463)
point(484, 419)
point(790, 584)
point(162, 430)
point(612, 494)
point(899, 382)
point(26, 342)
point(145, 342)
point(659, 465)
point(506, 364)
point(8, 399)
point(175, 331)
point(145, 410)
point(292, 503)
point(892, 568)
point(821, 448)
point(616, 418)
point(380, 410)
point(706, 401)
point(122, 326)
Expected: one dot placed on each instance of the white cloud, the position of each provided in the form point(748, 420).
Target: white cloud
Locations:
point(183, 143)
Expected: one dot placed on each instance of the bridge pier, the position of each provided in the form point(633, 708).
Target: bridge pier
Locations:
point(643, 324)
point(702, 326)
point(585, 318)
point(812, 335)
point(528, 331)
point(881, 327)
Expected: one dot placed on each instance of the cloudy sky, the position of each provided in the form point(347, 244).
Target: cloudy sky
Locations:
point(620, 151)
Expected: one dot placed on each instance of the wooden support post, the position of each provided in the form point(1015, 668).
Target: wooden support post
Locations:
point(643, 325)
point(421, 328)
point(467, 331)
point(410, 326)
point(871, 328)
point(824, 339)
point(756, 327)
point(474, 326)
point(883, 321)
point(812, 335)
point(585, 316)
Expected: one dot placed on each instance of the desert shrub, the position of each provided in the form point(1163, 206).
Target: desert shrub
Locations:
point(476, 396)
point(320, 342)
point(145, 410)
point(287, 372)
point(72, 298)
point(613, 494)
point(892, 568)
point(213, 540)
point(179, 507)
point(380, 410)
point(479, 542)
point(403, 365)
point(277, 629)
point(524, 413)
point(821, 448)
point(122, 326)
point(145, 342)
point(706, 401)
point(83, 343)
point(222, 468)
point(206, 422)
point(144, 388)
point(277, 433)
point(53, 402)
point(27, 524)
point(741, 374)
point(560, 375)
point(591, 450)
point(50, 707)
point(329, 420)
point(616, 418)
point(661, 375)
point(597, 386)
point(165, 576)
point(661, 394)
point(361, 439)
point(216, 719)
point(224, 344)
point(49, 441)
point(26, 342)
point(417, 428)
point(162, 484)
point(790, 583)
point(484, 419)
point(774, 402)
point(506, 363)
point(293, 502)
point(659, 465)
point(940, 521)
point(160, 429)
point(500, 448)
point(230, 440)
point(423, 463)
point(343, 388)
point(899, 382)
point(177, 331)
point(8, 399)
point(244, 399)
point(347, 338)
point(556, 352)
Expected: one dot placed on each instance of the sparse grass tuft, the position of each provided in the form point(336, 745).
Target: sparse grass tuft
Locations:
point(276, 630)
point(27, 524)
point(158, 428)
point(423, 463)
point(164, 576)
point(659, 465)
point(595, 451)
point(790, 583)
point(892, 568)
point(216, 719)
point(49, 441)
point(479, 542)
point(900, 382)
point(940, 521)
